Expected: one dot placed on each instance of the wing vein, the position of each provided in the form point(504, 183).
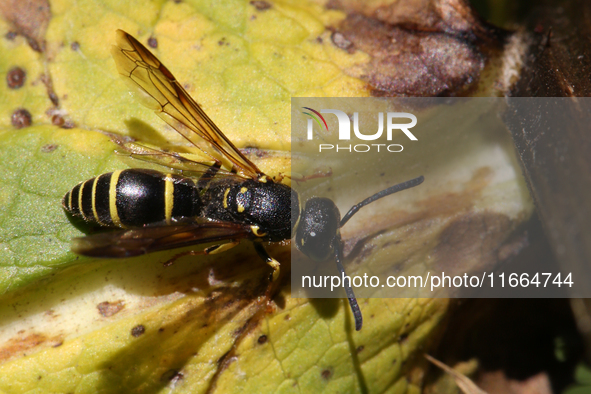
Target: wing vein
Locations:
point(174, 105)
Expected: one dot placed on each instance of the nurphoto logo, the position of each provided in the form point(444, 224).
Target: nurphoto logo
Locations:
point(344, 133)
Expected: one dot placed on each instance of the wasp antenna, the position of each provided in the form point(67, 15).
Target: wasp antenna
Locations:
point(338, 252)
point(386, 192)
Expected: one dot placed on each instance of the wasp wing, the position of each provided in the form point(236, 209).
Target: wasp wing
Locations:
point(161, 92)
point(135, 242)
point(178, 162)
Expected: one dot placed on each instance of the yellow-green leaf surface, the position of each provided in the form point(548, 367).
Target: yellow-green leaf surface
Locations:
point(78, 325)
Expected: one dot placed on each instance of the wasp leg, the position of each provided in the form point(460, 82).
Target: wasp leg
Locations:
point(215, 249)
point(209, 250)
point(268, 259)
point(279, 177)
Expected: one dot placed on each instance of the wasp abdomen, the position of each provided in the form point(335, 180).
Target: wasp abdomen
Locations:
point(133, 198)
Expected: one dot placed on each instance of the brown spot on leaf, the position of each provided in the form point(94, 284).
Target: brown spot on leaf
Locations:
point(53, 97)
point(326, 374)
point(411, 63)
point(16, 77)
point(58, 120)
point(153, 42)
point(108, 309)
point(334, 5)
point(512, 248)
point(48, 149)
point(138, 331)
point(62, 122)
point(75, 45)
point(447, 204)
point(35, 45)
point(171, 375)
point(11, 35)
point(46, 79)
point(21, 118)
point(360, 348)
point(223, 359)
point(454, 17)
point(367, 251)
point(260, 5)
point(29, 18)
point(471, 242)
point(254, 151)
point(416, 47)
point(262, 339)
point(17, 345)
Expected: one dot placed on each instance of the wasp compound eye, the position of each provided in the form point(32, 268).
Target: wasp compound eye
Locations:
point(318, 226)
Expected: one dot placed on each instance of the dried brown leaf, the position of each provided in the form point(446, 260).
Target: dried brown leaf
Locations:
point(29, 18)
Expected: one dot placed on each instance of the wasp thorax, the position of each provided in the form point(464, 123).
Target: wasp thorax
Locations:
point(319, 223)
point(266, 205)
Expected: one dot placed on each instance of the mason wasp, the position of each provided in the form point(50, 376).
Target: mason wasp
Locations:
point(192, 202)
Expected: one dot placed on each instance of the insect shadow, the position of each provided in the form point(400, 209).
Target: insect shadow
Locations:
point(326, 307)
point(140, 130)
point(82, 225)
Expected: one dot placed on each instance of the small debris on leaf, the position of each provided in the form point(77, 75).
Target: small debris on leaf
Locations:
point(138, 330)
point(48, 148)
point(172, 375)
point(21, 118)
point(153, 42)
point(108, 309)
point(262, 339)
point(340, 41)
point(260, 5)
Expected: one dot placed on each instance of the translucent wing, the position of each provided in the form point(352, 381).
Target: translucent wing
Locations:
point(161, 92)
point(135, 242)
point(175, 161)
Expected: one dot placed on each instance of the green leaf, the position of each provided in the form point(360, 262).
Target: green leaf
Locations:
point(72, 324)
point(39, 165)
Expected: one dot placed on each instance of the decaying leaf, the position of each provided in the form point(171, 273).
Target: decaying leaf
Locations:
point(204, 324)
point(29, 18)
point(417, 48)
